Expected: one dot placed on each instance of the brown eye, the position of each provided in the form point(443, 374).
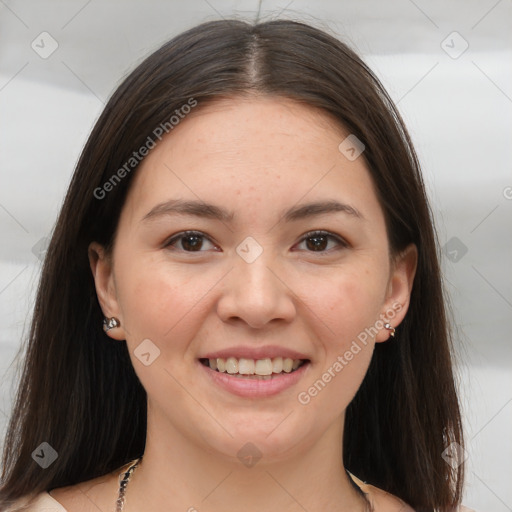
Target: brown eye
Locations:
point(188, 241)
point(318, 241)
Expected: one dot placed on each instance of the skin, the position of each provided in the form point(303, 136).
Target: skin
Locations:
point(255, 156)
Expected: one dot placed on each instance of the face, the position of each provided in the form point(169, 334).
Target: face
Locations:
point(258, 283)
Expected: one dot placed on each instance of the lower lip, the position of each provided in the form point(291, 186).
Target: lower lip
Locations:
point(255, 388)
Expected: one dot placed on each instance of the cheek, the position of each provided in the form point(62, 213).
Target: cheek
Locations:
point(348, 302)
point(348, 307)
point(159, 300)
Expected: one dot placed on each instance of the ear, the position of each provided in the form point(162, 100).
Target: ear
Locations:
point(403, 270)
point(102, 271)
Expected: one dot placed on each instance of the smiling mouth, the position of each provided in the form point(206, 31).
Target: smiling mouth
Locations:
point(263, 369)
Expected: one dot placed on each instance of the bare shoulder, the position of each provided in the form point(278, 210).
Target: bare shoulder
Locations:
point(381, 500)
point(89, 496)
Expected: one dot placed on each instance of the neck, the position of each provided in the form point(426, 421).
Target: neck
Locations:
point(178, 474)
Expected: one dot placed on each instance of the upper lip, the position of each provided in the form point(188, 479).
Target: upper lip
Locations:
point(269, 351)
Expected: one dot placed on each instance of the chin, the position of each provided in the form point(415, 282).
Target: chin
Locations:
point(262, 440)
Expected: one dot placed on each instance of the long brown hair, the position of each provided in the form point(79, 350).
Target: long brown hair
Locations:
point(80, 394)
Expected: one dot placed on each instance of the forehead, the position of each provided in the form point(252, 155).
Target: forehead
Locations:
point(266, 150)
point(263, 121)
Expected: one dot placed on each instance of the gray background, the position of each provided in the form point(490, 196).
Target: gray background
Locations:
point(457, 105)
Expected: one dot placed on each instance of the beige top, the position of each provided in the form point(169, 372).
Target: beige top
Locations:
point(42, 502)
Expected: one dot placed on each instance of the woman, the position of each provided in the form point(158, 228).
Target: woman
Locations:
point(241, 305)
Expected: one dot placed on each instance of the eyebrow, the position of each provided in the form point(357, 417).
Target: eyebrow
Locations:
point(211, 211)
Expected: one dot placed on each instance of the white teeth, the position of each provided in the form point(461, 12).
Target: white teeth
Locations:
point(277, 365)
point(263, 367)
point(255, 377)
point(232, 365)
point(287, 365)
point(246, 366)
point(260, 367)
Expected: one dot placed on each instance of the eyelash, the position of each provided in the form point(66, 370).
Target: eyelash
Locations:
point(310, 234)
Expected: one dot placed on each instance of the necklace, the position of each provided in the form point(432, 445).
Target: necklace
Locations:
point(124, 478)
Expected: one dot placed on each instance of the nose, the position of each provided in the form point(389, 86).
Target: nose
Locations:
point(256, 294)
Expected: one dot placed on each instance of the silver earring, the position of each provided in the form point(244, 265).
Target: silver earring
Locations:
point(391, 329)
point(110, 323)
